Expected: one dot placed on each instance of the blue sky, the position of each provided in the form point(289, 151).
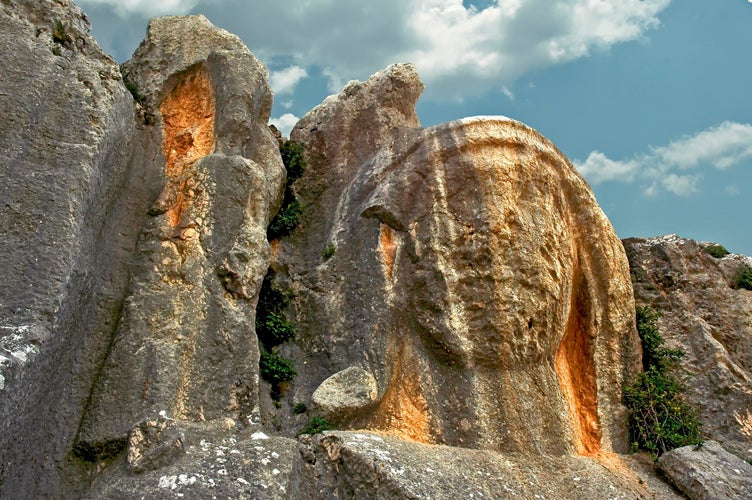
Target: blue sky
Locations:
point(648, 98)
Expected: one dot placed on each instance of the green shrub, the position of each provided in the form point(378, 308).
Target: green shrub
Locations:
point(59, 33)
point(275, 369)
point(328, 252)
point(717, 251)
point(273, 329)
point(659, 417)
point(292, 157)
point(299, 408)
point(57, 50)
point(315, 426)
point(744, 278)
point(285, 221)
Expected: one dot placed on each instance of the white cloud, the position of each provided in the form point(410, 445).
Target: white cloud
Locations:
point(663, 167)
point(459, 51)
point(599, 168)
point(285, 123)
point(285, 80)
point(145, 8)
point(722, 146)
point(681, 185)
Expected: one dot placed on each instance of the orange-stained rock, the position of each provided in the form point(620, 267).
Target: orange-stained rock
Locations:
point(475, 276)
point(203, 252)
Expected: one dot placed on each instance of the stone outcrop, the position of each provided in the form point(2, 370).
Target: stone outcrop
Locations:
point(474, 276)
point(203, 252)
point(367, 465)
point(707, 472)
point(462, 304)
point(70, 182)
point(706, 317)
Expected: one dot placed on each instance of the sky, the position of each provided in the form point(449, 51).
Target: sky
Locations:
point(648, 98)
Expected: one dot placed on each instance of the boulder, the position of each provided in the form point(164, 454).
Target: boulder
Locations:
point(186, 340)
point(708, 319)
point(474, 276)
point(344, 394)
point(707, 472)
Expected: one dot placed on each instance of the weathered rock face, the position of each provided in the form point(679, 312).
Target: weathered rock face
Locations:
point(203, 251)
point(367, 465)
point(710, 321)
point(68, 189)
point(707, 472)
point(474, 276)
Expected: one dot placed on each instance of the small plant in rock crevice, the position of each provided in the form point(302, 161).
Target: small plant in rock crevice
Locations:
point(276, 369)
point(328, 252)
point(744, 278)
point(315, 426)
point(289, 213)
point(299, 408)
point(660, 419)
point(717, 251)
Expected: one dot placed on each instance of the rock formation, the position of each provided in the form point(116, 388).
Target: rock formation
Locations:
point(709, 320)
point(71, 180)
point(203, 251)
point(464, 309)
point(474, 276)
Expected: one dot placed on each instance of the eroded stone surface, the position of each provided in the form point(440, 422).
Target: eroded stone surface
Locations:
point(705, 317)
point(367, 465)
point(69, 205)
point(154, 443)
point(186, 341)
point(344, 394)
point(707, 472)
point(219, 462)
point(475, 276)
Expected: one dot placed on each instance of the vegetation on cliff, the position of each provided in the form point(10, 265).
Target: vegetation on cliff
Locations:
point(659, 417)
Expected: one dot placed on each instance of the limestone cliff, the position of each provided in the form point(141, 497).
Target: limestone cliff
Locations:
point(464, 310)
point(474, 276)
point(203, 250)
point(708, 318)
point(70, 178)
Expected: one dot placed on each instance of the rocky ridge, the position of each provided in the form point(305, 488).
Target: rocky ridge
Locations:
point(464, 309)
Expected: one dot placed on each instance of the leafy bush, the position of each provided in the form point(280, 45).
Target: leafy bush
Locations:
point(315, 426)
point(275, 369)
point(744, 278)
point(717, 251)
point(329, 252)
point(659, 417)
point(285, 221)
point(292, 157)
point(273, 329)
point(299, 408)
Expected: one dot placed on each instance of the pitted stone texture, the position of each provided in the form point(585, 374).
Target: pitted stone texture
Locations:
point(366, 465)
point(343, 395)
point(702, 315)
point(203, 253)
point(475, 276)
point(153, 444)
point(218, 463)
point(69, 199)
point(707, 472)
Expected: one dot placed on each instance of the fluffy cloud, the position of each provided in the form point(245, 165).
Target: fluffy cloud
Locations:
point(285, 123)
point(144, 8)
point(665, 167)
point(285, 80)
point(459, 51)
